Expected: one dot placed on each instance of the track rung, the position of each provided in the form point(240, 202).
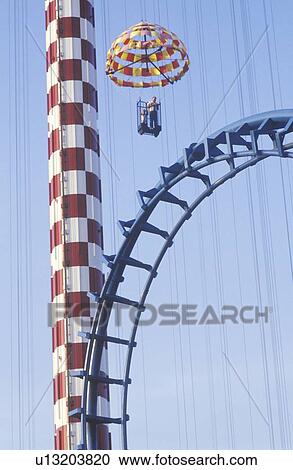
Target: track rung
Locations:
point(100, 378)
point(108, 339)
point(77, 373)
point(171, 170)
point(136, 263)
point(108, 259)
point(97, 419)
point(105, 419)
point(122, 300)
point(197, 175)
point(124, 224)
point(110, 380)
point(169, 197)
point(147, 227)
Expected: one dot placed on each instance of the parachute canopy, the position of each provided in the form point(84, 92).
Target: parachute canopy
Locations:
point(146, 55)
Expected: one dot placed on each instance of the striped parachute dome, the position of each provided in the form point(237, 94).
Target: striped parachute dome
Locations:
point(146, 55)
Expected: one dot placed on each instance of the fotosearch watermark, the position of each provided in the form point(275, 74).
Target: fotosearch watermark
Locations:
point(167, 314)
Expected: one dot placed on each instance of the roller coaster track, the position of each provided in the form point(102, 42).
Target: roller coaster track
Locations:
point(239, 145)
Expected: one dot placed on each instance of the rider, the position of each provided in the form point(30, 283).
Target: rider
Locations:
point(152, 108)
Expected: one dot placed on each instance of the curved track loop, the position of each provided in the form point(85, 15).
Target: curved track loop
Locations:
point(236, 141)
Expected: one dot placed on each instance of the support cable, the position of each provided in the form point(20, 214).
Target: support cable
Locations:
point(11, 77)
point(253, 236)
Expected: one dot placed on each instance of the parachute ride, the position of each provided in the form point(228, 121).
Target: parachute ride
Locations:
point(147, 55)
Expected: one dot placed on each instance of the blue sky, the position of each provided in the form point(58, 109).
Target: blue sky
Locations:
point(165, 401)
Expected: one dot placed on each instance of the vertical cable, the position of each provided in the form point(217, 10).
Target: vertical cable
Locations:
point(18, 238)
point(145, 394)
point(108, 100)
point(254, 241)
point(28, 232)
point(11, 251)
point(203, 82)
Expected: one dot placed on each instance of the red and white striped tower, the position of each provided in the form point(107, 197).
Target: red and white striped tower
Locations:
point(75, 204)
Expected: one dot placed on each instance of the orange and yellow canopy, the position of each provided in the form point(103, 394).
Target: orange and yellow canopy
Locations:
point(146, 55)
